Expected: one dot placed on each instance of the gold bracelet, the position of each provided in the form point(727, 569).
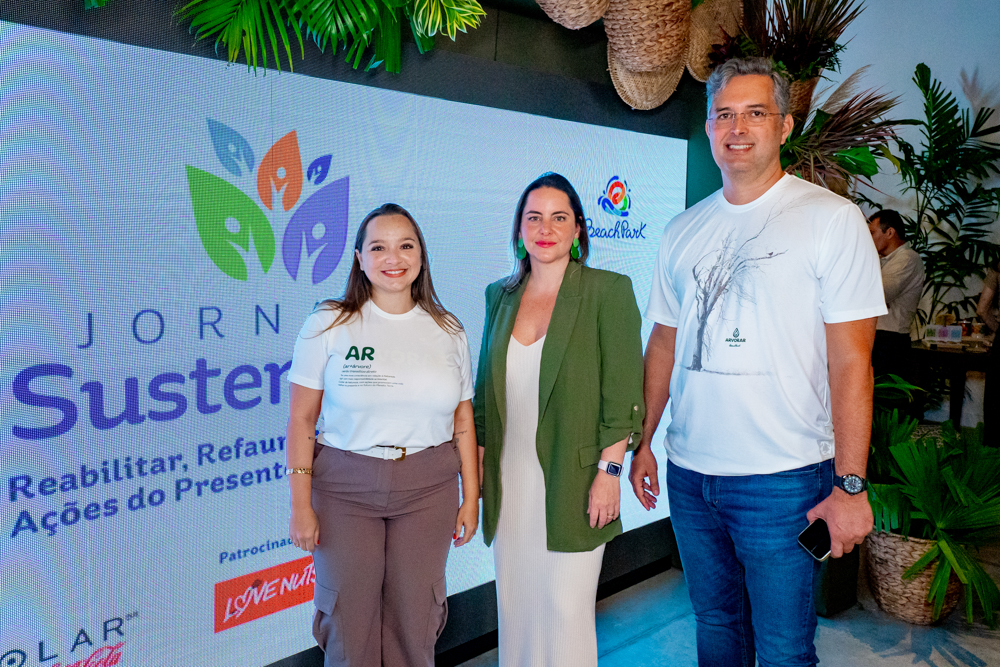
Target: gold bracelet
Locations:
point(301, 471)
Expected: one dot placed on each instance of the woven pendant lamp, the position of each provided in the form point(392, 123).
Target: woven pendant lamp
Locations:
point(708, 21)
point(648, 35)
point(643, 90)
point(574, 14)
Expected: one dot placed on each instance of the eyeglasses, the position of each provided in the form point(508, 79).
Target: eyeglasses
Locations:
point(727, 119)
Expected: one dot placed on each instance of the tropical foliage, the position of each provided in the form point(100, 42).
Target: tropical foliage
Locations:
point(801, 36)
point(839, 140)
point(954, 208)
point(267, 31)
point(947, 491)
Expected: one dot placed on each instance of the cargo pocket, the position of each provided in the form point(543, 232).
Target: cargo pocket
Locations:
point(439, 613)
point(326, 623)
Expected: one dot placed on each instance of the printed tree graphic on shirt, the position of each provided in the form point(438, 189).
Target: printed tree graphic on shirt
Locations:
point(727, 274)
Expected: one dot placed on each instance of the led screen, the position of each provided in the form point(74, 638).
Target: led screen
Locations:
point(168, 222)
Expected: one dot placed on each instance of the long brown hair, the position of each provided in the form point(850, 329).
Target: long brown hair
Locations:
point(358, 290)
point(557, 182)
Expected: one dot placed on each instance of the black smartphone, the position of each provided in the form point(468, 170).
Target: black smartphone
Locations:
point(816, 540)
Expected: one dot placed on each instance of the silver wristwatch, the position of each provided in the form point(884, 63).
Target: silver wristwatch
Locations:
point(852, 485)
point(610, 467)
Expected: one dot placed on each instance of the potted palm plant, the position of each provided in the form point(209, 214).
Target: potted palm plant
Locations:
point(936, 501)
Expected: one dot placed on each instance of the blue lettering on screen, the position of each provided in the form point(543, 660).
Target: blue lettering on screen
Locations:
point(60, 413)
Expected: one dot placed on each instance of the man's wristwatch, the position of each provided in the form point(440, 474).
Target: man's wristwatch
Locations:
point(852, 485)
point(610, 467)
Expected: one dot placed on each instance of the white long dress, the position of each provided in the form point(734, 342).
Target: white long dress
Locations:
point(546, 599)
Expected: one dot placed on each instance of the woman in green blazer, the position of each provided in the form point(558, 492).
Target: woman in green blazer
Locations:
point(558, 403)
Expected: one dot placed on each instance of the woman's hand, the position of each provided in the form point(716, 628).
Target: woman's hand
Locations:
point(303, 528)
point(468, 519)
point(605, 500)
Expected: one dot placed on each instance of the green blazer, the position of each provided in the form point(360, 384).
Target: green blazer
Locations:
point(589, 397)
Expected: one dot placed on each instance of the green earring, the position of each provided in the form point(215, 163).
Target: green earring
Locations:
point(521, 252)
point(574, 252)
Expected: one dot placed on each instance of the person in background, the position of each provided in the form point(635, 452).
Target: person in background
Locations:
point(375, 496)
point(903, 283)
point(764, 296)
point(987, 311)
point(558, 403)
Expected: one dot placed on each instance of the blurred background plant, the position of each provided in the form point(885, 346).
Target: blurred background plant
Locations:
point(954, 207)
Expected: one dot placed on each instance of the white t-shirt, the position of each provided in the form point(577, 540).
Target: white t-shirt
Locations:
point(387, 380)
point(749, 289)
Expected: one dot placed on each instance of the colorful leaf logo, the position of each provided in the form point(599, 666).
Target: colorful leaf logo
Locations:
point(215, 200)
point(282, 169)
point(327, 207)
point(231, 148)
point(615, 199)
point(318, 226)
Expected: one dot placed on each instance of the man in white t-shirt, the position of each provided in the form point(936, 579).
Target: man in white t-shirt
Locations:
point(765, 296)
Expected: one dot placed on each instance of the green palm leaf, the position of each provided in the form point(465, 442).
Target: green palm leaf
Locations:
point(951, 226)
point(244, 25)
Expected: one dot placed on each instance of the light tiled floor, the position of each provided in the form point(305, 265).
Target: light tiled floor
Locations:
point(652, 625)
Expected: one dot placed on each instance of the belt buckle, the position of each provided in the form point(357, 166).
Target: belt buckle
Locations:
point(402, 449)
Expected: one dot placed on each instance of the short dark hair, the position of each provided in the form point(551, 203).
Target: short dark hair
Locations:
point(557, 182)
point(890, 219)
point(735, 67)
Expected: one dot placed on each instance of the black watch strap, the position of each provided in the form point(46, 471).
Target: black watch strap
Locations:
point(852, 485)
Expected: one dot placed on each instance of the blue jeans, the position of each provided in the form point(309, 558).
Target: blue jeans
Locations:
point(750, 582)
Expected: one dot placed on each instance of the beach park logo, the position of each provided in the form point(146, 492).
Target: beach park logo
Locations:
point(615, 198)
point(616, 201)
point(229, 219)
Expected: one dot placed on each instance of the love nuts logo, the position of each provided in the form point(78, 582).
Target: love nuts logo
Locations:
point(258, 594)
point(229, 219)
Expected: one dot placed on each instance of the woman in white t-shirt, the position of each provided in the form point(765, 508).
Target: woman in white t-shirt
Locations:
point(375, 497)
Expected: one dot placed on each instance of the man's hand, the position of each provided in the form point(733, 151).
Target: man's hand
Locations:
point(848, 517)
point(642, 475)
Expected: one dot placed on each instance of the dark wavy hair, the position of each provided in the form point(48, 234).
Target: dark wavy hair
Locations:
point(358, 290)
point(557, 182)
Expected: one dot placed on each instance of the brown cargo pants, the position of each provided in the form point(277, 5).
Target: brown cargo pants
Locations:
point(384, 533)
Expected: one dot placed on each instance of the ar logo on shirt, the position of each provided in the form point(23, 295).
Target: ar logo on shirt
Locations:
point(736, 341)
point(366, 353)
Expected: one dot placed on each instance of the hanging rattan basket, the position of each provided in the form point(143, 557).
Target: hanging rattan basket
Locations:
point(708, 21)
point(643, 90)
point(574, 14)
point(800, 94)
point(889, 555)
point(648, 35)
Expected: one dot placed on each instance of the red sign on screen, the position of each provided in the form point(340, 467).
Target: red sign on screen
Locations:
point(251, 596)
